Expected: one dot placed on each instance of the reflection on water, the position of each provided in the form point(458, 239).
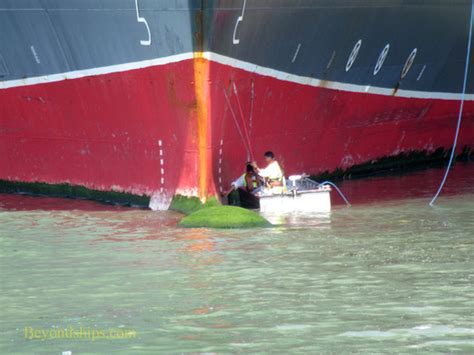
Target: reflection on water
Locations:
point(420, 184)
point(299, 219)
point(389, 273)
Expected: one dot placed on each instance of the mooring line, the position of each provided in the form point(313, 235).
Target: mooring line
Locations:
point(237, 125)
point(243, 121)
point(461, 107)
point(252, 97)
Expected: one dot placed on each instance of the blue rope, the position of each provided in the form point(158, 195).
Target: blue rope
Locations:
point(466, 69)
point(337, 189)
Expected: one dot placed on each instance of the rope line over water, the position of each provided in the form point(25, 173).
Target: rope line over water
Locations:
point(338, 190)
point(461, 107)
point(249, 143)
point(244, 141)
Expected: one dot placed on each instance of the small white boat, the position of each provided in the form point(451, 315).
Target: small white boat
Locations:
point(318, 200)
point(301, 195)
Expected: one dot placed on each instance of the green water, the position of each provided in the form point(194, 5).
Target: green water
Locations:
point(387, 276)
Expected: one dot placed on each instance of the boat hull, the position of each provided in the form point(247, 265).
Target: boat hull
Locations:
point(317, 201)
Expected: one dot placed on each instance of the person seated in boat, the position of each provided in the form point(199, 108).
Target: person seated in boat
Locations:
point(249, 181)
point(272, 173)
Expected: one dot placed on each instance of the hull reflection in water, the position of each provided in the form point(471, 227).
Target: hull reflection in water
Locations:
point(299, 219)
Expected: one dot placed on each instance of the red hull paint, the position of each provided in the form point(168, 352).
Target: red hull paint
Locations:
point(314, 129)
point(102, 132)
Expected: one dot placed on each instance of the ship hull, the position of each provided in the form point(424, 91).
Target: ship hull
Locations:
point(105, 132)
point(317, 130)
point(166, 98)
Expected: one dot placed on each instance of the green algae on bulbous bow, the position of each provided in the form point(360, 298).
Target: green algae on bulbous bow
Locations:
point(190, 204)
point(213, 215)
point(74, 191)
point(224, 217)
point(185, 204)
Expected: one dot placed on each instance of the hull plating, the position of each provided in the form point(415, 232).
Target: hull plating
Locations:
point(131, 131)
point(173, 97)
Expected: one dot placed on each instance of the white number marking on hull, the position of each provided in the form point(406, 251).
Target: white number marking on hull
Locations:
point(142, 20)
point(239, 19)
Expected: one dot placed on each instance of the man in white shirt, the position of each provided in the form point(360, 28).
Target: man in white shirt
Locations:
point(272, 173)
